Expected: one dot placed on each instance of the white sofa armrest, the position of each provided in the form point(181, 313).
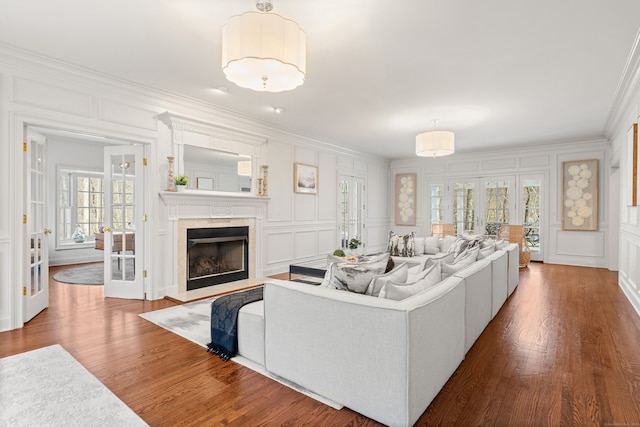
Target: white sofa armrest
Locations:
point(385, 359)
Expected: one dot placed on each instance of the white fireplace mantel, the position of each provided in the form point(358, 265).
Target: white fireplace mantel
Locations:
point(213, 204)
point(211, 208)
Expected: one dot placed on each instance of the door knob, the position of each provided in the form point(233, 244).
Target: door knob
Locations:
point(47, 231)
point(107, 229)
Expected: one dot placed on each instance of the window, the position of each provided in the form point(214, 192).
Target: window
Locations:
point(80, 203)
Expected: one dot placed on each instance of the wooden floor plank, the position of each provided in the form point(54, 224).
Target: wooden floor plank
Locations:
point(563, 350)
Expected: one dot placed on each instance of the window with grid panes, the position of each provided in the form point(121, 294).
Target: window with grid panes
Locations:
point(80, 203)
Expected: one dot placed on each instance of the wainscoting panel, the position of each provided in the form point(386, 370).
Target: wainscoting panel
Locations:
point(377, 192)
point(51, 97)
point(328, 187)
point(280, 182)
point(535, 161)
point(377, 237)
point(582, 244)
point(5, 290)
point(499, 164)
point(464, 167)
point(124, 114)
point(629, 274)
point(305, 244)
point(327, 241)
point(279, 247)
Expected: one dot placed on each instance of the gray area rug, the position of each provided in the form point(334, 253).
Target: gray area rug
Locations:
point(91, 274)
point(193, 322)
point(48, 387)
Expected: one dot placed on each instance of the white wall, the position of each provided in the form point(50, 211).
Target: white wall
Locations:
point(586, 248)
point(626, 113)
point(36, 92)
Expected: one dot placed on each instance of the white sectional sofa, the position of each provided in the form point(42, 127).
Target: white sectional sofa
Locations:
point(385, 359)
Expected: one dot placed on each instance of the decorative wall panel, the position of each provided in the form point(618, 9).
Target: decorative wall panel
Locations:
point(52, 98)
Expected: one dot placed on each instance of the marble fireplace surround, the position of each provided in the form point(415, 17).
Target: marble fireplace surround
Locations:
point(199, 209)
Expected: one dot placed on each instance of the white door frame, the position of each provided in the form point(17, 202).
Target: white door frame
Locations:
point(16, 124)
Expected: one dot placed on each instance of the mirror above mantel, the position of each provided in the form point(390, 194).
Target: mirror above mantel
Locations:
point(215, 157)
point(216, 170)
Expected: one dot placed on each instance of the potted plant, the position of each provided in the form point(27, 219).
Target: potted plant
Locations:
point(181, 182)
point(354, 244)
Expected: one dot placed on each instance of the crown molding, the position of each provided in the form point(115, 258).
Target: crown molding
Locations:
point(626, 91)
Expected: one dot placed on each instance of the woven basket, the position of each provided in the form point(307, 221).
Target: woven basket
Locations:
point(515, 234)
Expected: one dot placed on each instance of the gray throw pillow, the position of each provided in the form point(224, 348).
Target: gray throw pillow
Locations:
point(356, 276)
point(458, 246)
point(400, 291)
point(401, 245)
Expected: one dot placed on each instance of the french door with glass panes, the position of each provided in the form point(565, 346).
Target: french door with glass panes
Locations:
point(481, 205)
point(123, 218)
point(36, 287)
point(531, 213)
point(351, 210)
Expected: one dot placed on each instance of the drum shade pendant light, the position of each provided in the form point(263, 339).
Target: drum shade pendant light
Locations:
point(435, 143)
point(264, 51)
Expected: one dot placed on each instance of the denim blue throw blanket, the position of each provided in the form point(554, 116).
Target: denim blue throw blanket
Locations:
point(224, 321)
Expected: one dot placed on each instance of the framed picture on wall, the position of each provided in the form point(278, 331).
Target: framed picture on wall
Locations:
point(305, 178)
point(580, 195)
point(405, 199)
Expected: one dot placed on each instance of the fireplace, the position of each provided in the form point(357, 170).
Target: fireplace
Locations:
point(216, 255)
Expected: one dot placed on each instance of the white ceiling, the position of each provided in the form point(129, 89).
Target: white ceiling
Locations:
point(496, 72)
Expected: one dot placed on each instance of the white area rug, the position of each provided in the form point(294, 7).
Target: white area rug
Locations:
point(48, 387)
point(193, 322)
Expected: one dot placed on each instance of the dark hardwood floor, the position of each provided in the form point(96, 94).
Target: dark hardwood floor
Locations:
point(563, 350)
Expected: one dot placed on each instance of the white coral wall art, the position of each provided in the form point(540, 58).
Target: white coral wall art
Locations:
point(405, 199)
point(580, 194)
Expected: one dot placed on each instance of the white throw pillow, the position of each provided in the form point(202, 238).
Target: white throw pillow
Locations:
point(486, 251)
point(450, 269)
point(439, 259)
point(400, 291)
point(431, 245)
point(397, 275)
point(447, 241)
point(501, 244)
